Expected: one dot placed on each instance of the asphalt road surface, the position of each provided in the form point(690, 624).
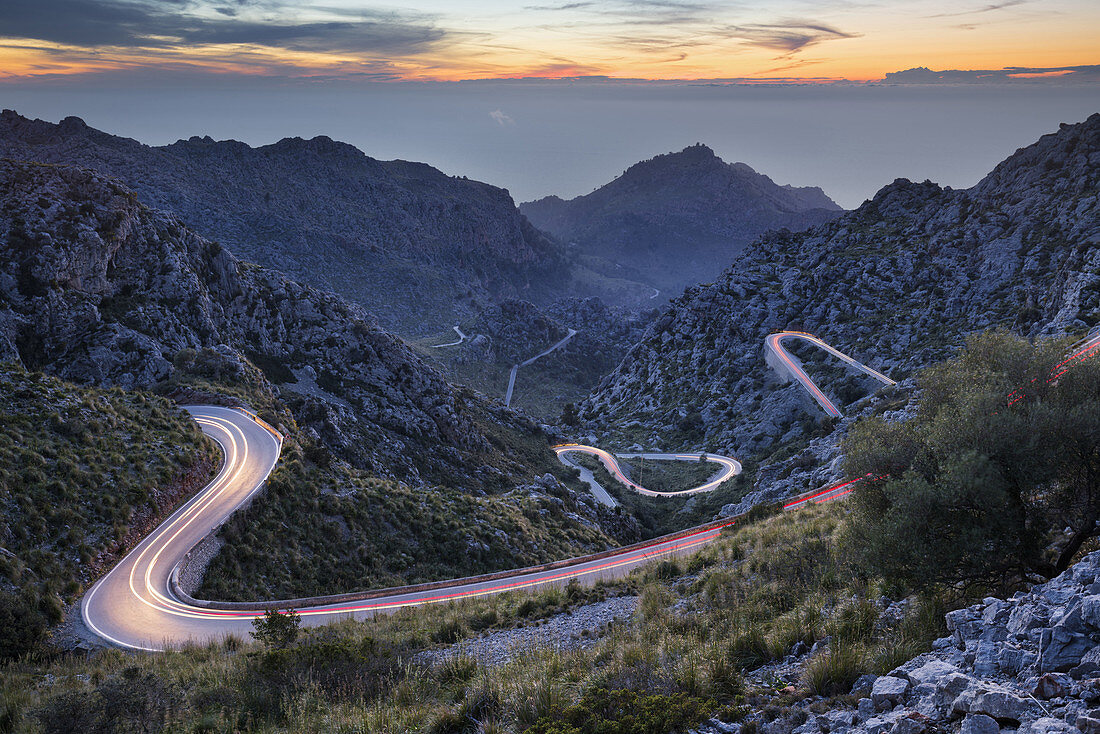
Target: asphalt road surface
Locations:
point(540, 355)
point(790, 367)
point(133, 606)
point(728, 468)
point(461, 338)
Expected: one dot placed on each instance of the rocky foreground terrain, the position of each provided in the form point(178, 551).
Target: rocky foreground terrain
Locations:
point(415, 246)
point(678, 219)
point(895, 283)
point(1029, 664)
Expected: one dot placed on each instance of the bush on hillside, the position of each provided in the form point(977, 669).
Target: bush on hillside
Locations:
point(601, 711)
point(276, 629)
point(1003, 454)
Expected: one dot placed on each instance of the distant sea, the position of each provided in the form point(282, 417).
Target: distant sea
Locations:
point(567, 138)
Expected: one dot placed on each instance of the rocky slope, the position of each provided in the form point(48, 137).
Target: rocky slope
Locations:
point(678, 219)
point(85, 473)
point(895, 283)
point(1029, 664)
point(96, 288)
point(414, 246)
point(514, 331)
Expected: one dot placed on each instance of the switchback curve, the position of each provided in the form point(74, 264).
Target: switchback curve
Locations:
point(729, 467)
point(138, 604)
point(787, 365)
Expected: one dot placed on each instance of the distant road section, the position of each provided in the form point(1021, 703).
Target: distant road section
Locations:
point(790, 368)
point(728, 468)
point(540, 355)
point(461, 338)
point(598, 490)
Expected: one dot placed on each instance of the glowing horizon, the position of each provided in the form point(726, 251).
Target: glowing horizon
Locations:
point(659, 40)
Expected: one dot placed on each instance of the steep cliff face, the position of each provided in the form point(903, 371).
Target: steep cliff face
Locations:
point(896, 283)
point(96, 288)
point(414, 246)
point(680, 218)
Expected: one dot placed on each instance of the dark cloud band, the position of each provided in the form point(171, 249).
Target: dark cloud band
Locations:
point(93, 23)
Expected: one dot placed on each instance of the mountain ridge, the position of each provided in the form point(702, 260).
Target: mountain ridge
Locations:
point(895, 283)
point(413, 245)
point(678, 218)
point(98, 289)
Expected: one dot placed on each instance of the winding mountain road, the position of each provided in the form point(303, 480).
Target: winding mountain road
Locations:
point(461, 338)
point(540, 355)
point(728, 469)
point(140, 605)
point(789, 366)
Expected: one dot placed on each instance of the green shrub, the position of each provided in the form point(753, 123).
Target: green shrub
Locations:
point(854, 620)
point(602, 711)
point(276, 629)
point(22, 625)
point(832, 671)
point(748, 648)
point(452, 630)
point(976, 489)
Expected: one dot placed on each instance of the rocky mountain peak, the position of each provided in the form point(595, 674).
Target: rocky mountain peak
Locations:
point(1067, 161)
point(693, 155)
point(902, 195)
point(677, 218)
point(317, 145)
point(73, 123)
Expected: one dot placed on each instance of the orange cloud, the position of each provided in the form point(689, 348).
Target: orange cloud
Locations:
point(622, 39)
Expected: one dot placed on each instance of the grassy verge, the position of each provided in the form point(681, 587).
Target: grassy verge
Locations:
point(701, 622)
point(670, 476)
point(84, 473)
point(662, 515)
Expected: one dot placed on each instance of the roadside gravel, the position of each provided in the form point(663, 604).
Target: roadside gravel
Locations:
point(580, 628)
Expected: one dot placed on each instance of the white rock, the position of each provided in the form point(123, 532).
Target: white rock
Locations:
point(932, 672)
point(979, 724)
point(888, 692)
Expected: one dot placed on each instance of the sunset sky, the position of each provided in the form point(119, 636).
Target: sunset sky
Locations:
point(486, 39)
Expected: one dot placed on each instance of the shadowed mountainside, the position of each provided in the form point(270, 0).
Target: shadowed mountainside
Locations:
point(896, 284)
point(680, 218)
point(413, 245)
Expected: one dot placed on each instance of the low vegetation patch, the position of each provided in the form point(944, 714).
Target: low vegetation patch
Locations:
point(701, 622)
point(670, 476)
point(84, 472)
